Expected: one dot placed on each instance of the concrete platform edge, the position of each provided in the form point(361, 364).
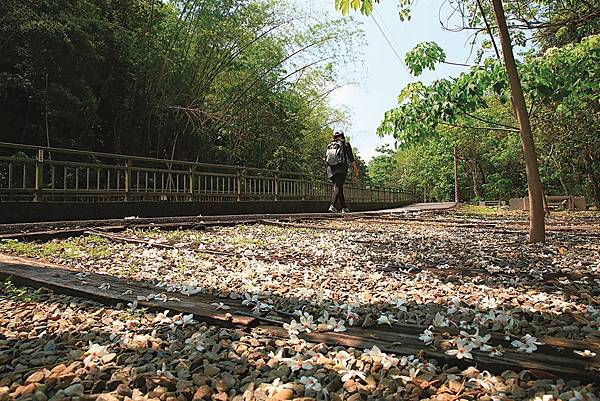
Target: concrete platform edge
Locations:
point(32, 212)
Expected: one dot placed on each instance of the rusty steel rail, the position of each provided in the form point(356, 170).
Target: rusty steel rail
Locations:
point(37, 173)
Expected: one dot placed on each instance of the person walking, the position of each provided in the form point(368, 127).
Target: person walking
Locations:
point(337, 158)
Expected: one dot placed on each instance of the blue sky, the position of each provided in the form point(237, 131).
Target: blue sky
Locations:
point(382, 75)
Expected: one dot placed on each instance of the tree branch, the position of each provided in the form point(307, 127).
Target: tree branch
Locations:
point(480, 128)
point(489, 122)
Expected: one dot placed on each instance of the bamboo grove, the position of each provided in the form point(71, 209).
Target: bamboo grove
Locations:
point(222, 81)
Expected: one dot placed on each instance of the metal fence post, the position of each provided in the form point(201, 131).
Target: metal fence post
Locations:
point(39, 176)
point(238, 181)
point(276, 187)
point(127, 180)
point(191, 182)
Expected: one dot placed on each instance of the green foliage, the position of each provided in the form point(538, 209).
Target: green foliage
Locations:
point(221, 81)
point(559, 76)
point(381, 168)
point(567, 76)
point(23, 294)
point(366, 7)
point(94, 247)
point(424, 55)
point(32, 249)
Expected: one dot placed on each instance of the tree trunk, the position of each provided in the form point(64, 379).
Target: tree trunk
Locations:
point(476, 192)
point(534, 184)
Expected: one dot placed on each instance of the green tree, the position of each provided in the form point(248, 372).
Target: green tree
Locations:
point(381, 168)
point(450, 100)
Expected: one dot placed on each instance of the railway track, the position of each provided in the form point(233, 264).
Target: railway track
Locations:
point(65, 229)
point(554, 359)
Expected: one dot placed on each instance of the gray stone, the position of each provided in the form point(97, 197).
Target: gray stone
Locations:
point(74, 390)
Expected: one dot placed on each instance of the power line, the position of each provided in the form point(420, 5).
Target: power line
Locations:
point(388, 30)
point(392, 47)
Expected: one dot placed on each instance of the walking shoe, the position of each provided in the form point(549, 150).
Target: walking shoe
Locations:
point(345, 210)
point(332, 209)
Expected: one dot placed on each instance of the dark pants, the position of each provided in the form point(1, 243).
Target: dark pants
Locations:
point(338, 190)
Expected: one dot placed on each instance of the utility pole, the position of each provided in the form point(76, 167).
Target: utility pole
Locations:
point(456, 194)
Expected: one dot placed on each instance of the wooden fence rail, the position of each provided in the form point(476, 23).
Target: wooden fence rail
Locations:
point(36, 173)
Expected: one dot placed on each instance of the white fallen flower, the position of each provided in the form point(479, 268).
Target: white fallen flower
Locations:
point(249, 299)
point(348, 374)
point(275, 358)
point(293, 327)
point(188, 319)
point(326, 323)
point(261, 307)
point(339, 326)
point(311, 383)
point(544, 397)
point(427, 336)
point(276, 386)
point(386, 360)
point(220, 305)
point(104, 286)
point(164, 372)
point(477, 341)
point(297, 363)
point(161, 297)
point(440, 320)
point(189, 289)
point(585, 353)
point(399, 303)
point(413, 374)
point(527, 344)
point(94, 354)
point(197, 341)
point(375, 353)
point(297, 343)
point(463, 350)
point(177, 320)
point(485, 380)
point(385, 319)
point(342, 358)
point(306, 320)
point(495, 351)
point(162, 318)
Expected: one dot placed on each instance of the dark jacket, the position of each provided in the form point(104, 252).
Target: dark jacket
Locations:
point(342, 168)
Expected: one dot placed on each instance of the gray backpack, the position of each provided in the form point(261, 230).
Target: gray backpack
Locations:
point(335, 153)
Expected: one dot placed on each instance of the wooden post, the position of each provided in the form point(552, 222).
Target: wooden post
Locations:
point(39, 176)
